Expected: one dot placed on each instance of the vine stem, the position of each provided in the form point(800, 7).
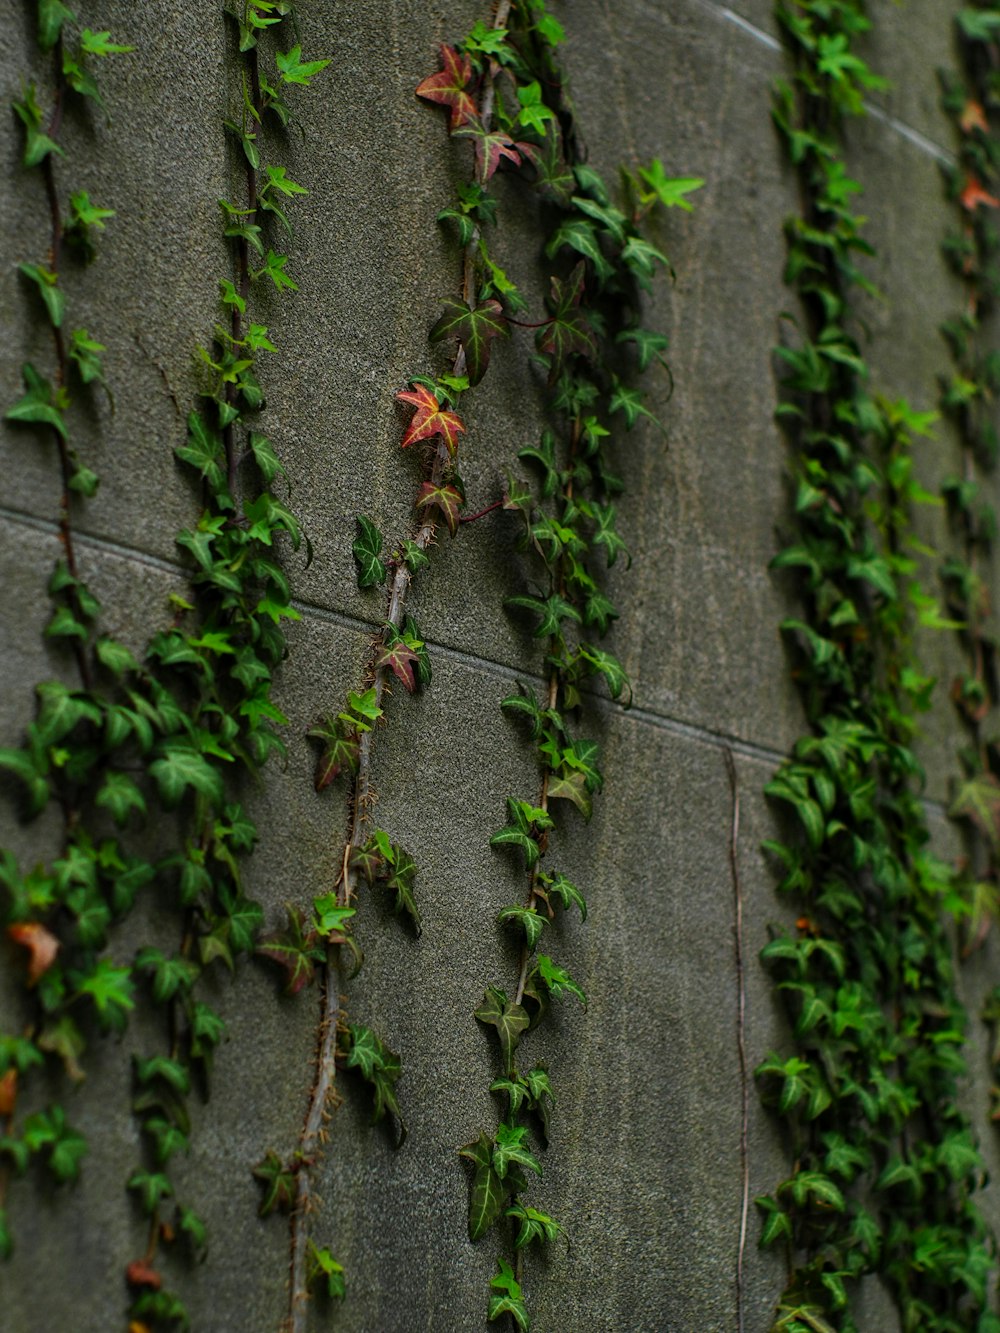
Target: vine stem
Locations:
point(361, 802)
point(62, 361)
point(741, 1010)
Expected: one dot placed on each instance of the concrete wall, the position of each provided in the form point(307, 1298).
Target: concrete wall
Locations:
point(645, 1162)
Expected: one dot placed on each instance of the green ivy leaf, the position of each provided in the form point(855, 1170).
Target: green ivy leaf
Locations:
point(179, 767)
point(367, 548)
point(324, 1271)
point(528, 920)
point(487, 1195)
point(295, 949)
point(509, 1300)
point(39, 406)
point(557, 980)
point(278, 1181)
point(49, 290)
point(474, 327)
point(293, 69)
point(510, 1021)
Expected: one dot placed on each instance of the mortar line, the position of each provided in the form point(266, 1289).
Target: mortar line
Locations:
point(673, 726)
point(900, 127)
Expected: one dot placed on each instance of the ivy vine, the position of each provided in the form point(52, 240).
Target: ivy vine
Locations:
point(971, 97)
point(885, 1164)
point(504, 90)
point(172, 732)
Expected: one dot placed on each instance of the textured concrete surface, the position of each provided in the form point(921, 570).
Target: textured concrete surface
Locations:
point(644, 1162)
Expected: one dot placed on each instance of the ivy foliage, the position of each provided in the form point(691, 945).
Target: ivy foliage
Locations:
point(161, 740)
point(971, 97)
point(885, 1164)
point(503, 89)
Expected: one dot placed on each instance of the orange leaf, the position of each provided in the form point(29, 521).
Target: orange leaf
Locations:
point(140, 1274)
point(429, 419)
point(136, 1327)
point(973, 117)
point(8, 1092)
point(973, 195)
point(40, 943)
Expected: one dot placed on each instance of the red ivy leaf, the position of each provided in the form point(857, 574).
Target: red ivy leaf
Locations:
point(429, 419)
point(401, 661)
point(475, 328)
point(341, 752)
point(295, 950)
point(450, 87)
point(41, 944)
point(140, 1274)
point(973, 195)
point(446, 499)
point(8, 1093)
point(491, 146)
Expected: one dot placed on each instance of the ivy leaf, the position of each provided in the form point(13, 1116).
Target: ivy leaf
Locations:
point(648, 344)
point(487, 1195)
point(324, 1271)
point(112, 992)
point(274, 268)
point(52, 14)
point(666, 190)
point(39, 406)
point(293, 69)
point(450, 87)
point(509, 1147)
point(41, 944)
point(510, 1021)
point(583, 237)
point(378, 1065)
point(278, 1181)
point(415, 556)
point(49, 1132)
point(404, 871)
point(533, 1225)
point(52, 296)
point(120, 795)
point(557, 980)
point(491, 146)
point(608, 666)
point(430, 419)
point(530, 922)
point(446, 499)
point(978, 800)
point(295, 950)
point(474, 327)
point(203, 451)
point(572, 787)
point(551, 612)
point(367, 548)
point(567, 892)
point(509, 1300)
point(37, 144)
point(534, 115)
point(569, 333)
point(64, 1039)
point(401, 661)
point(181, 767)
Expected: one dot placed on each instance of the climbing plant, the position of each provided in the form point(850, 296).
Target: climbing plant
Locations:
point(171, 732)
point(504, 90)
point(885, 1165)
point(971, 97)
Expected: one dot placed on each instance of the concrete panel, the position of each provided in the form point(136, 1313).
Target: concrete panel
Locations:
point(644, 1166)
